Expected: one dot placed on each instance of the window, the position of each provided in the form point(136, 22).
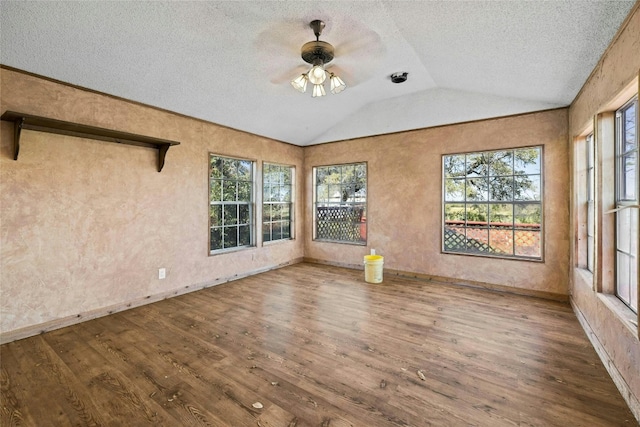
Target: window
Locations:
point(340, 203)
point(230, 203)
point(626, 197)
point(493, 203)
point(277, 206)
point(591, 207)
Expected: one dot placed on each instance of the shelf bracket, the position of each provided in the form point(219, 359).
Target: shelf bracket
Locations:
point(17, 129)
point(42, 124)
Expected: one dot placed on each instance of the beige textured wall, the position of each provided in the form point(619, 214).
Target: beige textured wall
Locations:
point(616, 70)
point(405, 193)
point(87, 224)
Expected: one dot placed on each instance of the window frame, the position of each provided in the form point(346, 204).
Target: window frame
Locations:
point(489, 202)
point(224, 203)
point(623, 203)
point(270, 203)
point(590, 149)
point(362, 224)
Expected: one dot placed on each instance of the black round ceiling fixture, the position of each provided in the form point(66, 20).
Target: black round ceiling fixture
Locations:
point(399, 77)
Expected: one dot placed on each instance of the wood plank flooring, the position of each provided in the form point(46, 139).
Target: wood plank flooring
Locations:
point(316, 346)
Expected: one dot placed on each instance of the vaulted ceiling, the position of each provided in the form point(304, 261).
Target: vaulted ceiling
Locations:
point(230, 62)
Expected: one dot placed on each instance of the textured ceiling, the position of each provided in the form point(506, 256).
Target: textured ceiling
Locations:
point(230, 62)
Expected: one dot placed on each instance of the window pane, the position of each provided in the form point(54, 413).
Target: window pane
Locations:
point(454, 166)
point(527, 187)
point(501, 188)
point(630, 128)
point(229, 191)
point(276, 212)
point(230, 214)
point(477, 240)
point(321, 176)
point(215, 215)
point(477, 164)
point(266, 212)
point(348, 174)
point(623, 227)
point(527, 216)
point(500, 215)
point(322, 193)
point(215, 190)
point(335, 193)
point(477, 214)
point(527, 243)
point(245, 235)
point(629, 177)
point(454, 190)
point(454, 212)
point(216, 239)
point(244, 170)
point(526, 161)
point(454, 238)
point(244, 191)
point(285, 194)
point(501, 241)
point(501, 163)
point(477, 189)
point(230, 169)
point(285, 212)
point(266, 192)
point(230, 237)
point(266, 232)
point(286, 230)
point(216, 167)
point(243, 214)
point(288, 175)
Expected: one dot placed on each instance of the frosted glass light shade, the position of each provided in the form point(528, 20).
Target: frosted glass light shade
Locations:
point(300, 83)
point(317, 75)
point(318, 90)
point(337, 85)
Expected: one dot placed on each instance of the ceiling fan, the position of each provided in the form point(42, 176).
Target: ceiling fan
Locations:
point(318, 54)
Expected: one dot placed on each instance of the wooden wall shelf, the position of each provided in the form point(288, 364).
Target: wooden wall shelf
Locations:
point(42, 124)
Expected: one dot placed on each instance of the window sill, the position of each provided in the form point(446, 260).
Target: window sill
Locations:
point(585, 275)
point(340, 242)
point(230, 250)
point(277, 242)
point(624, 313)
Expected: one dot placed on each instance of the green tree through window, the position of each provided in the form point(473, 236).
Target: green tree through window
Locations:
point(230, 203)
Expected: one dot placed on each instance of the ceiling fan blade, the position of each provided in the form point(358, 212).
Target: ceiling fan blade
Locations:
point(366, 44)
point(288, 75)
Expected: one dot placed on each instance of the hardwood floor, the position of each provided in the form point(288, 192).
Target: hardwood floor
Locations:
point(316, 346)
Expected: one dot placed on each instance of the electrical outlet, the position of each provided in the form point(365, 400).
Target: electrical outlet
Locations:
point(162, 273)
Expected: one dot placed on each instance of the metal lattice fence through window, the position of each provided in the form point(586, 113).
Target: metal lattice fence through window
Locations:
point(340, 203)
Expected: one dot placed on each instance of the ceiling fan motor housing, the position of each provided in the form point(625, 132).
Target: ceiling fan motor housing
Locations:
point(314, 50)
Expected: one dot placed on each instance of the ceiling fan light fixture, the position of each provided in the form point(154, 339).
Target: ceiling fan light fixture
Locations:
point(300, 83)
point(317, 74)
point(337, 85)
point(318, 90)
point(318, 54)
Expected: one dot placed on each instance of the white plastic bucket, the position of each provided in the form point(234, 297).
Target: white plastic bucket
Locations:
point(373, 268)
